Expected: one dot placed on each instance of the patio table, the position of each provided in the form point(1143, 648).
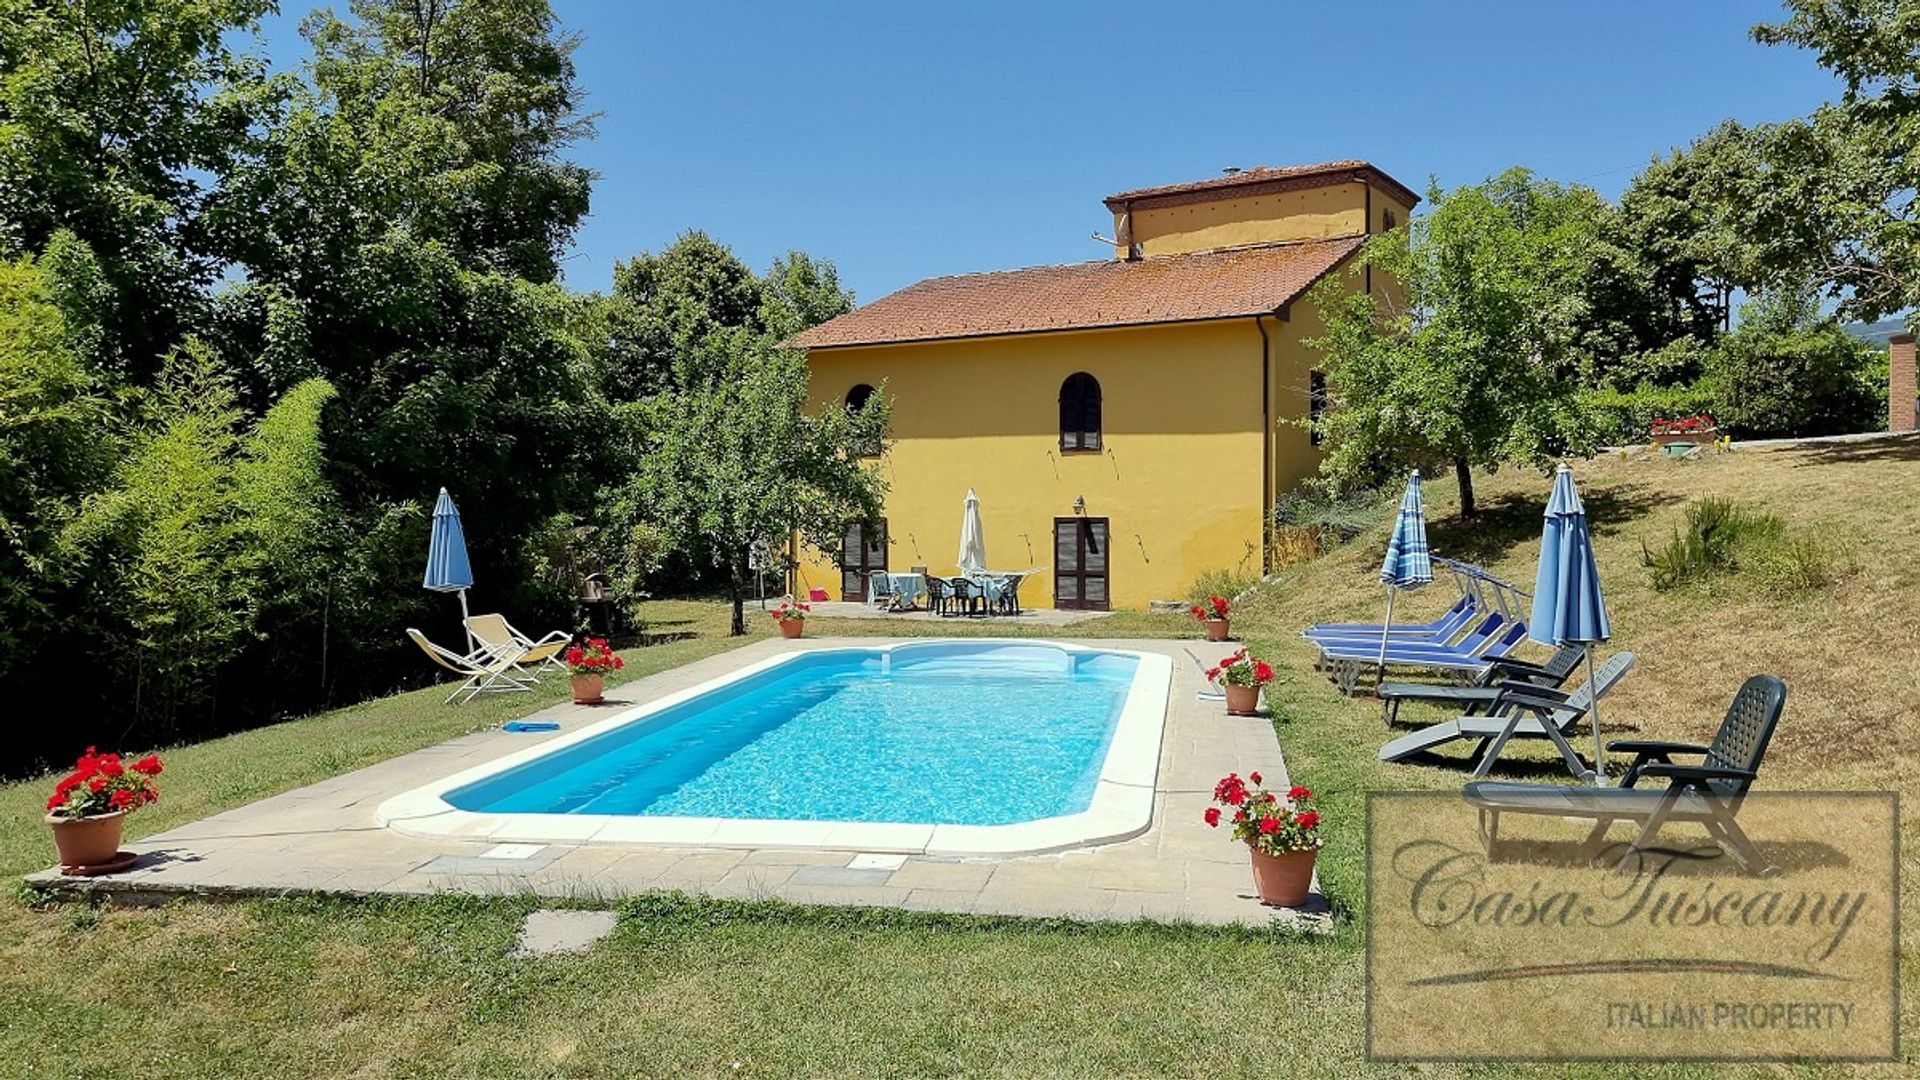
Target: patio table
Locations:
point(909, 589)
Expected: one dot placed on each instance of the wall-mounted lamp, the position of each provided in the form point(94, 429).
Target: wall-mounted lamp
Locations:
point(1080, 504)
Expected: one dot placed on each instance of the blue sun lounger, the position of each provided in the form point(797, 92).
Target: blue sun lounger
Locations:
point(1444, 628)
point(1493, 638)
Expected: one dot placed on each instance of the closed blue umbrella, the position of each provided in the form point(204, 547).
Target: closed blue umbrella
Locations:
point(1567, 606)
point(1409, 563)
point(447, 566)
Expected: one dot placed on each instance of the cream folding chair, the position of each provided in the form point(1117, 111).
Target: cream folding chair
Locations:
point(496, 636)
point(484, 672)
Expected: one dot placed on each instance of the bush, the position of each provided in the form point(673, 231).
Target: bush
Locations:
point(1721, 538)
point(1786, 371)
point(1227, 583)
point(1709, 543)
point(1624, 417)
point(1330, 517)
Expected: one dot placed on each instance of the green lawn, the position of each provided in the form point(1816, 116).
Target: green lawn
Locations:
point(425, 988)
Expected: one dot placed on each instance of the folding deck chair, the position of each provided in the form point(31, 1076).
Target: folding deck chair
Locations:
point(1708, 794)
point(1523, 711)
point(496, 635)
point(485, 672)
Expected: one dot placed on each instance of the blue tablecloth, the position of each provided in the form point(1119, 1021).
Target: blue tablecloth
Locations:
point(908, 588)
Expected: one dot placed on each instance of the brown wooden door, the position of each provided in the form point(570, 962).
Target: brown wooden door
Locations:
point(862, 551)
point(1080, 563)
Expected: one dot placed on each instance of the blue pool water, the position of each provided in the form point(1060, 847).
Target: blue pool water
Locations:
point(961, 733)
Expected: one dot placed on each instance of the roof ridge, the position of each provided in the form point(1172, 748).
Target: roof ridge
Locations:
point(1259, 245)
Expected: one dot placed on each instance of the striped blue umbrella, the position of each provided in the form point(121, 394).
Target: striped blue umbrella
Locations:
point(447, 566)
point(1409, 563)
point(1567, 606)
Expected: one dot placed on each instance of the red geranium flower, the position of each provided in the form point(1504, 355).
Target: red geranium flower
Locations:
point(1308, 818)
point(1262, 671)
point(1296, 793)
point(1254, 776)
point(1213, 816)
point(148, 766)
point(1269, 824)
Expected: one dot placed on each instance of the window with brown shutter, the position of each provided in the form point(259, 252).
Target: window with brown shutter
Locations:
point(1080, 412)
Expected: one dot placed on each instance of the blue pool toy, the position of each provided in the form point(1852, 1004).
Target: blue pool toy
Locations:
point(530, 725)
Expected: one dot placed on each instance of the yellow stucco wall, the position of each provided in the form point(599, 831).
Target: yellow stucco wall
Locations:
point(1179, 476)
point(1309, 214)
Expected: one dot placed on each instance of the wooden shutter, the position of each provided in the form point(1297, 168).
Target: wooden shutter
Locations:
point(1080, 563)
point(862, 551)
point(1080, 412)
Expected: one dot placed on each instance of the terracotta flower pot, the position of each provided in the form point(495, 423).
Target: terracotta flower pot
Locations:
point(88, 841)
point(589, 689)
point(1282, 880)
point(790, 628)
point(1216, 629)
point(1243, 700)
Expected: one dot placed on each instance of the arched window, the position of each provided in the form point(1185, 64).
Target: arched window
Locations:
point(857, 397)
point(1080, 412)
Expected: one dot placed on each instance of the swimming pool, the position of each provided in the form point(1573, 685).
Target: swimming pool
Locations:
point(960, 747)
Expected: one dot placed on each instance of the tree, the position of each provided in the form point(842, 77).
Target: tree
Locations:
point(1831, 197)
point(401, 229)
point(1476, 366)
point(116, 117)
point(51, 453)
point(734, 458)
point(665, 304)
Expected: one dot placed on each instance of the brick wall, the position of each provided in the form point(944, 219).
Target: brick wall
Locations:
point(1901, 387)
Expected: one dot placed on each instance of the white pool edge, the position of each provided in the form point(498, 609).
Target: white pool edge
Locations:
point(1121, 808)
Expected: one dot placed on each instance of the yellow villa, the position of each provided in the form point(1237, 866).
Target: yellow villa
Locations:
point(1124, 422)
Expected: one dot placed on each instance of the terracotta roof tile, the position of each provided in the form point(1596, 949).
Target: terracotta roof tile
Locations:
point(1216, 284)
point(1292, 175)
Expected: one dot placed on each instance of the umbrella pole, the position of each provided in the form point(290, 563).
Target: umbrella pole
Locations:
point(1593, 715)
point(1380, 676)
point(464, 628)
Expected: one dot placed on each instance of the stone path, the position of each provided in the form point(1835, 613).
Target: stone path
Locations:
point(323, 838)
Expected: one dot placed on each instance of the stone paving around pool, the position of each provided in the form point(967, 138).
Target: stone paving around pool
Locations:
point(324, 838)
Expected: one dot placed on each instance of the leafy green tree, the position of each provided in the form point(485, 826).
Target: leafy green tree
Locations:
point(401, 228)
point(664, 304)
point(51, 454)
point(1475, 367)
point(733, 457)
point(1830, 197)
point(116, 117)
point(1672, 217)
point(801, 292)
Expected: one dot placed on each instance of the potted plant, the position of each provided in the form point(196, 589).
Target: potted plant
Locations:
point(588, 665)
point(1242, 675)
point(1282, 835)
point(1213, 616)
point(1700, 430)
point(89, 808)
point(791, 615)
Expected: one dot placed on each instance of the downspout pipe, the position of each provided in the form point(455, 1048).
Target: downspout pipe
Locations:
point(1266, 448)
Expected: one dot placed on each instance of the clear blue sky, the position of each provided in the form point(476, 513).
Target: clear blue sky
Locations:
point(905, 141)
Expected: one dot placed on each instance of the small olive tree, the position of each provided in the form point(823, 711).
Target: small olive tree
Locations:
point(733, 457)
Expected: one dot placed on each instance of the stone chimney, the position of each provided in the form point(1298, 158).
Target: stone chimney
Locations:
point(1901, 388)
